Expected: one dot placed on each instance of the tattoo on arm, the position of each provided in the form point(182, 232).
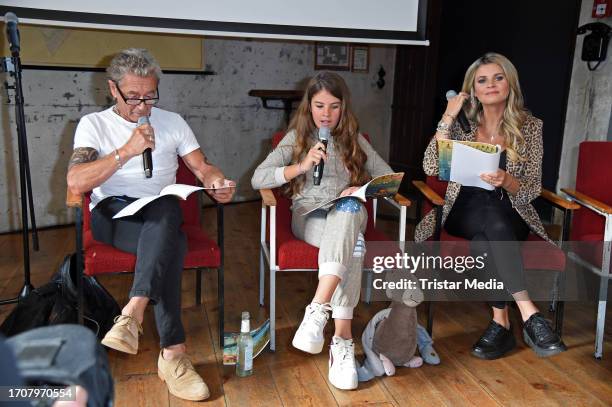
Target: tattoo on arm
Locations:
point(82, 155)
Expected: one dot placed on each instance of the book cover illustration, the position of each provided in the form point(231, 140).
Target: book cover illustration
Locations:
point(383, 186)
point(261, 338)
point(379, 187)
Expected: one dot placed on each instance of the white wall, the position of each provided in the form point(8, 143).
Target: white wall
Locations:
point(589, 105)
point(232, 127)
point(394, 22)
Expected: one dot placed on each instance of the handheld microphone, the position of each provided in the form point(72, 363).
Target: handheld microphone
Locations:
point(324, 135)
point(12, 32)
point(147, 160)
point(463, 121)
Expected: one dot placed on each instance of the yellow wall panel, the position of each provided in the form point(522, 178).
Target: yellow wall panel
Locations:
point(90, 48)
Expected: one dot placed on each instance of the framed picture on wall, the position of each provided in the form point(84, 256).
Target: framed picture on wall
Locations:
point(360, 58)
point(332, 55)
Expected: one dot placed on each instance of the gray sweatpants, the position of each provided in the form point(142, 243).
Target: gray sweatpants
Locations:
point(338, 233)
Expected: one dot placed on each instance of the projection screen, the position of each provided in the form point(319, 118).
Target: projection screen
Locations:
point(361, 21)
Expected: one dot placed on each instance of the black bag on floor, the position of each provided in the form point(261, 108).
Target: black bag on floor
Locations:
point(64, 355)
point(56, 303)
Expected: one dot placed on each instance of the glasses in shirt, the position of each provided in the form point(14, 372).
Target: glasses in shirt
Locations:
point(137, 101)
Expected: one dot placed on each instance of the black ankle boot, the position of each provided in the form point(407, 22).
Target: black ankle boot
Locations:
point(538, 334)
point(494, 343)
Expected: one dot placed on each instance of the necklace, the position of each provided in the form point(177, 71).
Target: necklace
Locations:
point(116, 111)
point(493, 135)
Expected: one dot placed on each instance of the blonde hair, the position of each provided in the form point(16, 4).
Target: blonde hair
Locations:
point(344, 135)
point(514, 115)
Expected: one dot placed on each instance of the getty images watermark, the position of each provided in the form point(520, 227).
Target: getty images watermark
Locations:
point(411, 264)
point(481, 270)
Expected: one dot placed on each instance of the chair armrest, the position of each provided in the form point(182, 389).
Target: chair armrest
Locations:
point(429, 193)
point(73, 200)
point(397, 201)
point(402, 200)
point(588, 202)
point(558, 201)
point(267, 197)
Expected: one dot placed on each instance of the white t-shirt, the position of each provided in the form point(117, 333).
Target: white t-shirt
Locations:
point(106, 131)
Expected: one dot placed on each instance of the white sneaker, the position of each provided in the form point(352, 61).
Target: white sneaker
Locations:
point(342, 367)
point(309, 336)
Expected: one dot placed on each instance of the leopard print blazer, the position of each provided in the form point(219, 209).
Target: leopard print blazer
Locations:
point(527, 172)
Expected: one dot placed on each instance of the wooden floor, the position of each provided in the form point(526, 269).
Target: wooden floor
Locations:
point(291, 378)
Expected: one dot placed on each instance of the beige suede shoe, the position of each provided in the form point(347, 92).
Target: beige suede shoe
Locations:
point(181, 378)
point(123, 336)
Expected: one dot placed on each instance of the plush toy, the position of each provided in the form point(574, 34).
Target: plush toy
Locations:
point(391, 339)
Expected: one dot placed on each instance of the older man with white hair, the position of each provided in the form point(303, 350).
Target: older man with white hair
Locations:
point(107, 160)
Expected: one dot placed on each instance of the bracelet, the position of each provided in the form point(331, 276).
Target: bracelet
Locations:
point(443, 127)
point(118, 159)
point(450, 116)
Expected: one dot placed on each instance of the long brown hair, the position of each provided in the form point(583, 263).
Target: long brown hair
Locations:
point(515, 113)
point(344, 135)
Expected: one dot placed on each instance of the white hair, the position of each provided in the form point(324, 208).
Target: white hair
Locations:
point(135, 61)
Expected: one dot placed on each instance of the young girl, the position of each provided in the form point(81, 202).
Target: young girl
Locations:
point(349, 162)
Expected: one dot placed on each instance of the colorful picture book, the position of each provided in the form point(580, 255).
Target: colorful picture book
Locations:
point(261, 338)
point(379, 187)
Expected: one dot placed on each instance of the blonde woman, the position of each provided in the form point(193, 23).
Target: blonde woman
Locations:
point(350, 162)
point(497, 115)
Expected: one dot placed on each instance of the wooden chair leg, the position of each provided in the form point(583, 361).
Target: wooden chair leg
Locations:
point(198, 287)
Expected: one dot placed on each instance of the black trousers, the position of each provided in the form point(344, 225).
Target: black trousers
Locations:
point(154, 235)
point(484, 216)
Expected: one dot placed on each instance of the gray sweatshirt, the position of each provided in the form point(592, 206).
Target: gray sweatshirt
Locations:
point(336, 178)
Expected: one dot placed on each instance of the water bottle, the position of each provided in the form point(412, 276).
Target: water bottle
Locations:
point(244, 363)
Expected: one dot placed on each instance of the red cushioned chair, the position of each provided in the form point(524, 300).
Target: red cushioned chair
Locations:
point(548, 258)
point(592, 223)
point(282, 251)
point(95, 258)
